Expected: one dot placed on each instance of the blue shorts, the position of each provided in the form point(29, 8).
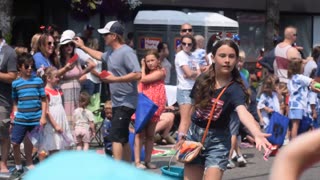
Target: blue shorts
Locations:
point(183, 97)
point(19, 132)
point(295, 114)
point(217, 145)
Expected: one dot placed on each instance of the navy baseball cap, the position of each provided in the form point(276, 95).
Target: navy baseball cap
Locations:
point(112, 27)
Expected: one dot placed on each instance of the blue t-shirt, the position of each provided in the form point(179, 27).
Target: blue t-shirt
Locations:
point(28, 94)
point(40, 60)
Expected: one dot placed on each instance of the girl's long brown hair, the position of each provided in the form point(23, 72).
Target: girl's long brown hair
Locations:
point(156, 54)
point(205, 85)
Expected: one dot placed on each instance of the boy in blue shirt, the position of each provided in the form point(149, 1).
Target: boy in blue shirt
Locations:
point(29, 107)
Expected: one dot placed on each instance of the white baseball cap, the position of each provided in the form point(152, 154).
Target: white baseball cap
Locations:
point(112, 27)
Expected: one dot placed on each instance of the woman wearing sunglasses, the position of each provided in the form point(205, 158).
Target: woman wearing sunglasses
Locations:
point(70, 82)
point(45, 56)
point(187, 69)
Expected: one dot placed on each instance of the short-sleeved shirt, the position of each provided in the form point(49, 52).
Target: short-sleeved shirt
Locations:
point(82, 118)
point(231, 98)
point(41, 61)
point(200, 55)
point(271, 102)
point(121, 62)
point(28, 94)
point(8, 63)
point(312, 100)
point(298, 91)
point(309, 67)
point(167, 66)
point(183, 59)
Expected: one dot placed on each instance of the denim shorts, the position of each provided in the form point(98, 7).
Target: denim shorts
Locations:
point(295, 114)
point(19, 132)
point(183, 96)
point(217, 145)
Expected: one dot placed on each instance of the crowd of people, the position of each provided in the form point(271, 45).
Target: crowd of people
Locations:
point(48, 91)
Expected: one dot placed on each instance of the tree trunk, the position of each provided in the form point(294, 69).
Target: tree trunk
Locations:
point(272, 23)
point(6, 18)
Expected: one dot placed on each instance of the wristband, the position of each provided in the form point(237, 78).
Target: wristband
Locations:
point(182, 136)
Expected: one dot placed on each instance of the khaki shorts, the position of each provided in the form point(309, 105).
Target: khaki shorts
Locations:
point(4, 122)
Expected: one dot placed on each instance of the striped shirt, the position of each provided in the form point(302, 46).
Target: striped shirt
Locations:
point(28, 94)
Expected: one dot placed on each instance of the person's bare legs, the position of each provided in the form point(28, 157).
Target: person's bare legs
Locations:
point(28, 152)
point(126, 152)
point(234, 143)
point(85, 146)
point(213, 173)
point(5, 147)
point(295, 127)
point(117, 150)
point(16, 153)
point(138, 140)
point(165, 124)
point(185, 121)
point(149, 143)
point(193, 172)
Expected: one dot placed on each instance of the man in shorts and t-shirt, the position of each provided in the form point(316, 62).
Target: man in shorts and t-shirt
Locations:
point(124, 72)
point(8, 73)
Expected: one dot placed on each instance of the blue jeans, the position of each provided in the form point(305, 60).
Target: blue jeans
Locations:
point(217, 145)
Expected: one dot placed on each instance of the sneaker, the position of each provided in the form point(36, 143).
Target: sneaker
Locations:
point(16, 174)
point(231, 164)
point(241, 161)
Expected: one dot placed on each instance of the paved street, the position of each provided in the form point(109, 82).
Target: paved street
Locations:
point(256, 169)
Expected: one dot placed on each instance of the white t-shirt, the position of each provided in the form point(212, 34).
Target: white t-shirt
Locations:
point(311, 64)
point(98, 68)
point(183, 59)
point(312, 99)
point(270, 102)
point(167, 66)
point(82, 118)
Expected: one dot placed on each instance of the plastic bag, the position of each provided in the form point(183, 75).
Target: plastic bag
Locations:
point(35, 136)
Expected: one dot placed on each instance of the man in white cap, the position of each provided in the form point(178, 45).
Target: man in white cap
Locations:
point(125, 71)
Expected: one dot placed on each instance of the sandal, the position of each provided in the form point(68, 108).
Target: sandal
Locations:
point(149, 165)
point(140, 166)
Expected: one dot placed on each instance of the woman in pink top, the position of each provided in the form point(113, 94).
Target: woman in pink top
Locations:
point(70, 84)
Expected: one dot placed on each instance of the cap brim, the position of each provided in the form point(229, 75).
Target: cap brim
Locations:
point(65, 41)
point(103, 31)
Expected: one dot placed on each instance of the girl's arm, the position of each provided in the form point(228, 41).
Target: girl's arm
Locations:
point(92, 128)
point(298, 155)
point(152, 77)
point(247, 119)
point(51, 119)
point(44, 103)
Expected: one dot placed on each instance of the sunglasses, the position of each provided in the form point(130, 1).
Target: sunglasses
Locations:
point(185, 30)
point(28, 66)
point(295, 34)
point(186, 44)
point(50, 43)
point(70, 44)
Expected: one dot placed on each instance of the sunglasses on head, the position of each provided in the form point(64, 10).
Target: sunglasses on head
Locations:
point(50, 43)
point(185, 30)
point(186, 44)
point(28, 66)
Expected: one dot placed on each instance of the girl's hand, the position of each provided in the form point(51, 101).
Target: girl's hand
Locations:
point(261, 141)
point(178, 144)
point(58, 129)
point(143, 63)
point(43, 121)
